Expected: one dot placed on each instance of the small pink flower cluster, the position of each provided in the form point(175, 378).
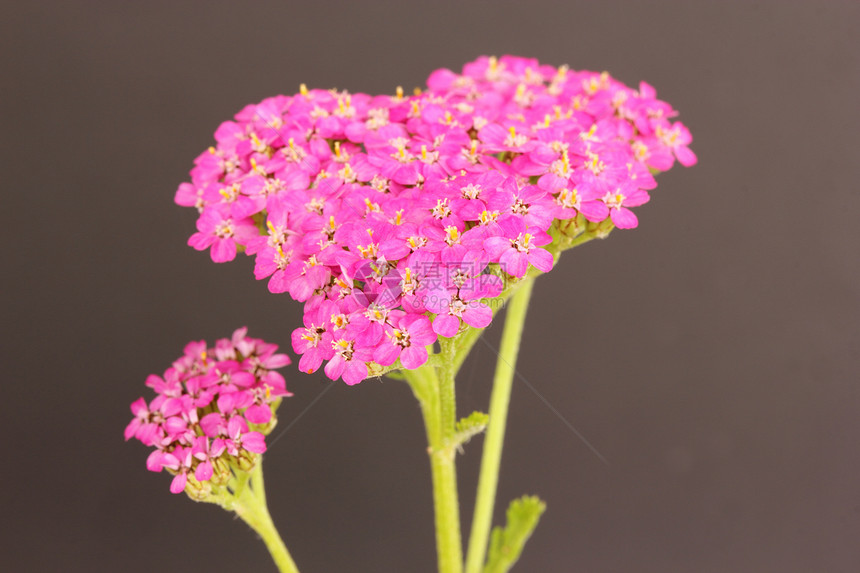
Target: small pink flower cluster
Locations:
point(391, 217)
point(213, 408)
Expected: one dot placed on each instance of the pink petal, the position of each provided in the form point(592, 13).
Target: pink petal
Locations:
point(178, 483)
point(301, 289)
point(244, 379)
point(638, 197)
point(258, 414)
point(200, 241)
point(204, 471)
point(227, 402)
point(212, 424)
point(335, 367)
point(310, 361)
point(171, 407)
point(421, 331)
point(186, 195)
point(386, 353)
point(479, 316)
point(175, 425)
point(154, 461)
point(541, 259)
point(413, 356)
point(594, 211)
point(217, 448)
point(170, 461)
point(446, 325)
point(277, 361)
point(131, 429)
point(254, 442)
point(512, 225)
point(223, 250)
point(624, 218)
point(661, 159)
point(496, 246)
point(236, 427)
point(437, 300)
point(139, 406)
point(355, 372)
point(685, 156)
point(514, 263)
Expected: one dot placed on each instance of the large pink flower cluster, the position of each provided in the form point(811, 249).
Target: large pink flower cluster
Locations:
point(391, 217)
point(212, 410)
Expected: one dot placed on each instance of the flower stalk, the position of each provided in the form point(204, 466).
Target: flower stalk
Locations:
point(250, 505)
point(499, 402)
point(435, 394)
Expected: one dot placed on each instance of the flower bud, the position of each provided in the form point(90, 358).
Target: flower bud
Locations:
point(602, 229)
point(221, 473)
point(198, 491)
point(245, 461)
point(572, 228)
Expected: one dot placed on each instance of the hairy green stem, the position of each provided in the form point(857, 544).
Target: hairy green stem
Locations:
point(434, 387)
point(499, 401)
point(435, 394)
point(250, 505)
point(447, 395)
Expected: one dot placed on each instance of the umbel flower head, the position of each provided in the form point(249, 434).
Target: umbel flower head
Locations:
point(394, 218)
point(211, 411)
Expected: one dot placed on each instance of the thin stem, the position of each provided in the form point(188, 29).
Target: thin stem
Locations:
point(465, 342)
point(436, 397)
point(499, 401)
point(447, 507)
point(447, 394)
point(250, 505)
point(257, 483)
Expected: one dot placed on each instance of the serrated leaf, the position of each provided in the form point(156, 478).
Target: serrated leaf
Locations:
point(507, 543)
point(469, 427)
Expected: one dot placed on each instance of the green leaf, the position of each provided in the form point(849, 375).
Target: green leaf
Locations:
point(469, 427)
point(506, 544)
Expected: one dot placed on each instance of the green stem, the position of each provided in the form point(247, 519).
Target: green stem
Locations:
point(250, 505)
point(436, 397)
point(499, 401)
point(465, 342)
point(447, 394)
point(433, 386)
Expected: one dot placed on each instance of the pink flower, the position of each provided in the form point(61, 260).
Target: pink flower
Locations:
point(179, 460)
point(618, 202)
point(406, 338)
point(362, 201)
point(519, 246)
point(141, 426)
point(241, 387)
point(496, 137)
point(218, 231)
point(206, 451)
point(677, 137)
point(349, 361)
point(240, 438)
point(453, 306)
point(314, 341)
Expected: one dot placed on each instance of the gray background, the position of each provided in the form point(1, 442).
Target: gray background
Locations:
point(710, 355)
